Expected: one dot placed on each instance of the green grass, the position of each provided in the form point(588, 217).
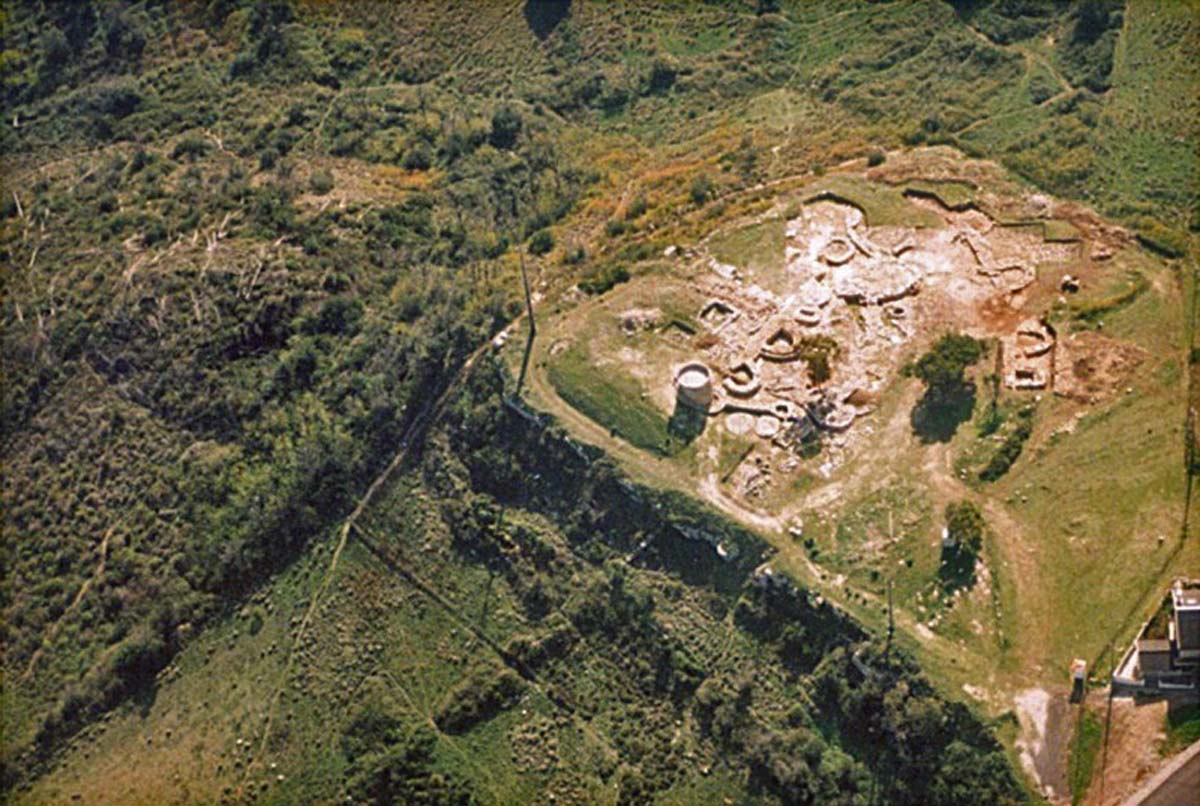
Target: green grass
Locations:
point(1183, 728)
point(1146, 160)
point(733, 452)
point(1066, 510)
point(816, 86)
point(954, 195)
point(757, 251)
point(885, 535)
point(1093, 307)
point(1085, 744)
point(882, 205)
point(614, 401)
point(1056, 231)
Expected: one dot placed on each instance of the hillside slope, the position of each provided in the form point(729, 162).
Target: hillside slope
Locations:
point(254, 249)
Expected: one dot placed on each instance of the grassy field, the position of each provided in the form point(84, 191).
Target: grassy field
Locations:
point(1183, 728)
point(882, 205)
point(618, 404)
point(757, 252)
point(249, 243)
point(1149, 125)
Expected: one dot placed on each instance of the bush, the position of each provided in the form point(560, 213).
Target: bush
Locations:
point(1010, 449)
point(417, 158)
point(964, 540)
point(875, 158)
point(320, 182)
point(949, 398)
point(662, 75)
point(702, 189)
point(541, 242)
point(604, 280)
point(506, 125)
point(615, 227)
point(479, 697)
point(191, 148)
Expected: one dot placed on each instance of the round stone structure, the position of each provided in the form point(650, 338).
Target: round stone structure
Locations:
point(693, 385)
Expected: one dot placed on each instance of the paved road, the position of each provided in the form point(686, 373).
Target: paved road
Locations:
point(1180, 787)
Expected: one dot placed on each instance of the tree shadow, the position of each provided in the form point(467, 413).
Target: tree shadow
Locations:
point(686, 424)
point(543, 16)
point(957, 569)
point(936, 418)
point(144, 697)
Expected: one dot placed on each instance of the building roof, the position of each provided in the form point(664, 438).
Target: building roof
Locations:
point(1186, 597)
point(1153, 645)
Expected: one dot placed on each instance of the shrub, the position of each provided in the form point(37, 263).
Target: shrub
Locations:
point(541, 242)
point(191, 148)
point(339, 314)
point(949, 398)
point(1010, 449)
point(1162, 240)
point(417, 158)
point(476, 700)
point(506, 125)
point(604, 280)
point(960, 549)
point(662, 75)
point(615, 227)
point(702, 189)
point(875, 158)
point(320, 182)
point(267, 158)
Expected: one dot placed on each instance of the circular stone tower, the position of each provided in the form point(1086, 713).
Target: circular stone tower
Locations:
point(693, 386)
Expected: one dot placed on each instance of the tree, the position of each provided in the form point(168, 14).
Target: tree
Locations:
point(942, 368)
point(123, 39)
point(541, 242)
point(962, 544)
point(506, 125)
point(662, 75)
point(1091, 21)
point(949, 398)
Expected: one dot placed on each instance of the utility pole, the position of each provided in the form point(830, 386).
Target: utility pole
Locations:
point(532, 325)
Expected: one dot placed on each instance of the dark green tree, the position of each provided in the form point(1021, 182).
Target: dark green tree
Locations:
point(962, 544)
point(506, 125)
point(941, 369)
point(949, 397)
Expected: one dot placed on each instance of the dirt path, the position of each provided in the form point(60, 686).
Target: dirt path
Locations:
point(52, 633)
point(1023, 565)
point(412, 435)
point(1047, 723)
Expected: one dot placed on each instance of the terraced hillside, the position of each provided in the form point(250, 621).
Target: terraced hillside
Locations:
point(278, 521)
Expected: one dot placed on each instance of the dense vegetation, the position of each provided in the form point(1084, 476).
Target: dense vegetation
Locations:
point(249, 244)
point(849, 715)
point(949, 396)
